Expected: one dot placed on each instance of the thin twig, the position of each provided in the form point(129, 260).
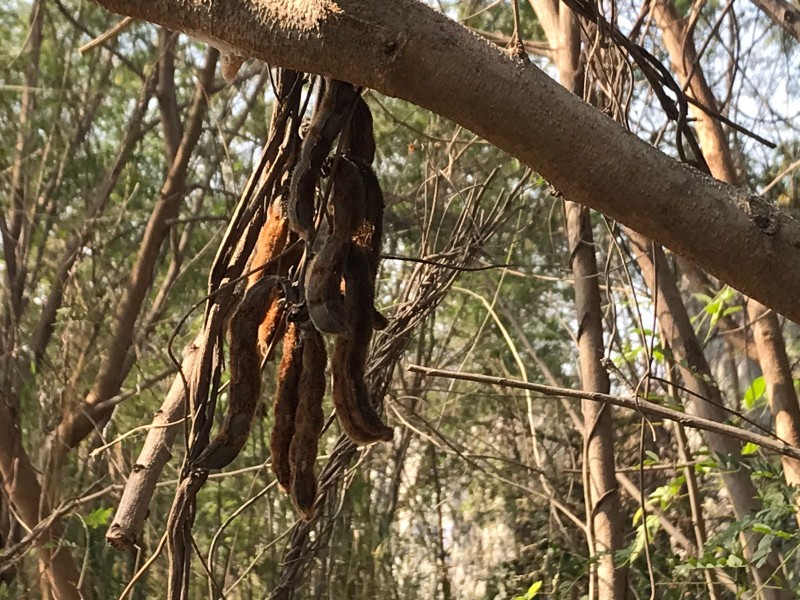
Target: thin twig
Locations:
point(639, 404)
point(104, 37)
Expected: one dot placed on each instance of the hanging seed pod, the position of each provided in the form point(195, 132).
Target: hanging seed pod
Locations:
point(286, 401)
point(323, 280)
point(308, 421)
point(327, 121)
point(354, 409)
point(245, 385)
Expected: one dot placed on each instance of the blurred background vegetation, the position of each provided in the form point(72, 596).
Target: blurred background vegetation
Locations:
point(481, 495)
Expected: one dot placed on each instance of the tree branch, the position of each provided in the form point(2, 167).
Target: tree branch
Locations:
point(643, 406)
point(783, 14)
point(405, 49)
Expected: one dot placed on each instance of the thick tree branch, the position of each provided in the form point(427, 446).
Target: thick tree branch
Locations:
point(405, 49)
point(783, 14)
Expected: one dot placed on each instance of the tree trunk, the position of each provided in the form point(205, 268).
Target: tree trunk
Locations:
point(768, 337)
point(705, 400)
point(58, 572)
point(780, 385)
point(603, 515)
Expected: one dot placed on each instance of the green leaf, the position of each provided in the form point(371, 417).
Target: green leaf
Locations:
point(749, 448)
point(98, 518)
point(533, 590)
point(713, 308)
point(762, 528)
point(735, 561)
point(704, 298)
point(754, 393)
point(652, 455)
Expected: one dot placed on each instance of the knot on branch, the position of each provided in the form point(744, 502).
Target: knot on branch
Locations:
point(763, 214)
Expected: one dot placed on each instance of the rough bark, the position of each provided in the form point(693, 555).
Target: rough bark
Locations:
point(768, 336)
point(783, 14)
point(405, 49)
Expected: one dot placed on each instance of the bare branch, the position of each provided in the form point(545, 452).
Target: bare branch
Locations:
point(644, 406)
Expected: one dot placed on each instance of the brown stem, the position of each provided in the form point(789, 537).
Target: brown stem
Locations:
point(645, 407)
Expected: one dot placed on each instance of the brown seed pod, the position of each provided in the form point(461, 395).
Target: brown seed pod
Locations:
point(360, 138)
point(274, 239)
point(354, 409)
point(308, 421)
point(369, 232)
point(245, 385)
point(327, 121)
point(286, 401)
point(323, 279)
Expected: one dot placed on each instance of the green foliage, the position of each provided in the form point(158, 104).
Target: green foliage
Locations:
point(98, 517)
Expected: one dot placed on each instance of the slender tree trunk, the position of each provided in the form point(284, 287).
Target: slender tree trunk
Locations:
point(603, 514)
point(58, 573)
point(768, 337)
point(780, 385)
point(603, 517)
point(705, 400)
